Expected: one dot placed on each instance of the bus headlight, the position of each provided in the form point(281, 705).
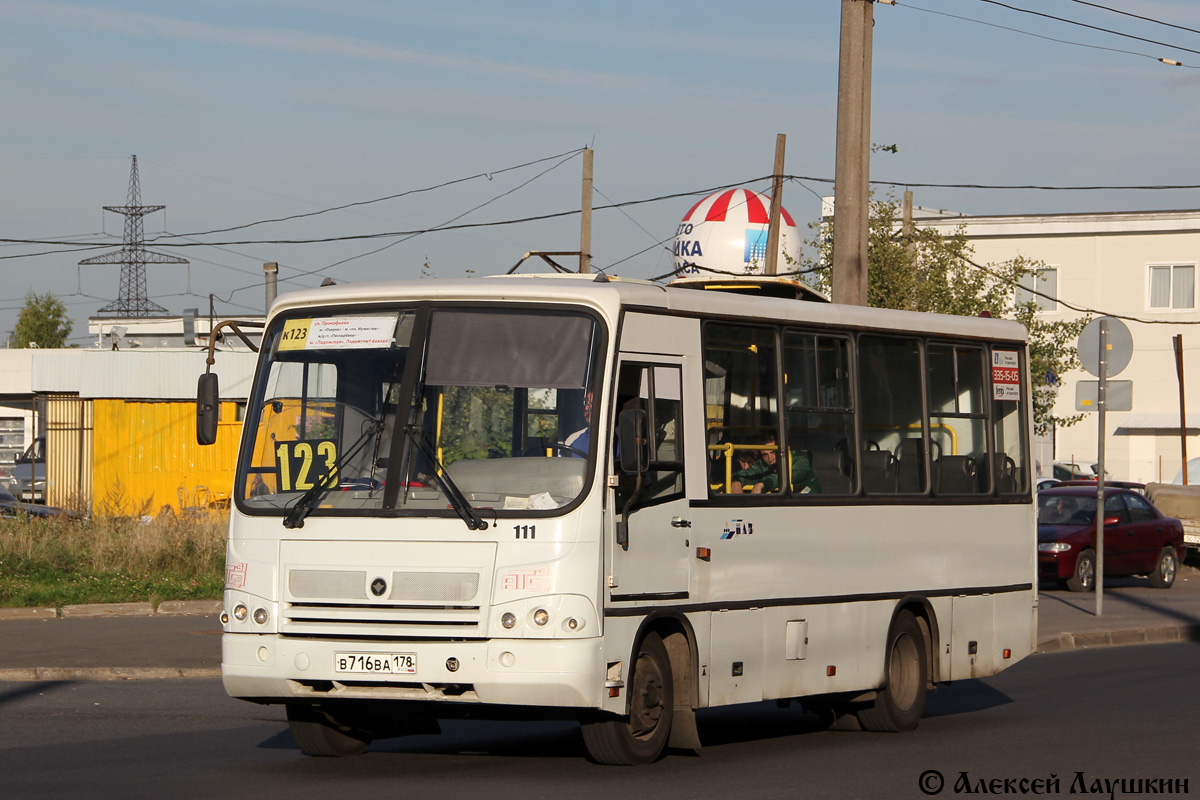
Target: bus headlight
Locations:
point(261, 616)
point(508, 620)
point(541, 617)
point(572, 624)
point(240, 612)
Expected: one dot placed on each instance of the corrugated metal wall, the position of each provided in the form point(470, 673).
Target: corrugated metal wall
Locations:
point(68, 451)
point(146, 457)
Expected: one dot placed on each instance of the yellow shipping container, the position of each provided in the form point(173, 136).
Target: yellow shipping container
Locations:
point(146, 457)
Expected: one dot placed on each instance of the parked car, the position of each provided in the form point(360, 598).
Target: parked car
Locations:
point(1138, 538)
point(1132, 486)
point(12, 507)
point(1046, 483)
point(27, 476)
point(1069, 471)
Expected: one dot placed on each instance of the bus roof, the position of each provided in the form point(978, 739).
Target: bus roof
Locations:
point(611, 294)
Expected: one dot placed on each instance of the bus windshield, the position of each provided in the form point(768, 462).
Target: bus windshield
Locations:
point(425, 410)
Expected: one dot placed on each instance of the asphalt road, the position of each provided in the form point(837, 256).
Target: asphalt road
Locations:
point(1111, 713)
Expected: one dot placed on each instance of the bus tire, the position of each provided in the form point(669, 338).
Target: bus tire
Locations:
point(317, 734)
point(1083, 578)
point(641, 737)
point(898, 705)
point(1165, 570)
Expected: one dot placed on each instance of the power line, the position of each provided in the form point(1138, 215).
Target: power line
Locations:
point(1136, 16)
point(1090, 27)
point(488, 175)
point(1041, 36)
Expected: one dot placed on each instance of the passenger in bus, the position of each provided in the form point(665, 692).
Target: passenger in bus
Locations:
point(763, 475)
point(743, 464)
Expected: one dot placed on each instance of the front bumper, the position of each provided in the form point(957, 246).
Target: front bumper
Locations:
point(557, 673)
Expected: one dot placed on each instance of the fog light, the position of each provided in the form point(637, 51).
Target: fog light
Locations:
point(508, 620)
point(572, 624)
point(240, 612)
point(224, 617)
point(261, 616)
point(541, 616)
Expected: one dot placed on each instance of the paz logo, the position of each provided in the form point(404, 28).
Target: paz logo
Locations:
point(737, 527)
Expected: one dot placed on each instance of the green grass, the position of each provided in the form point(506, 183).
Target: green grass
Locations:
point(57, 562)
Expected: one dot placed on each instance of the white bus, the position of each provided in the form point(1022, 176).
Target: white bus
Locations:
point(541, 496)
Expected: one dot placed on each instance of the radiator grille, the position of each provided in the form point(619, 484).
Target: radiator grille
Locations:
point(329, 602)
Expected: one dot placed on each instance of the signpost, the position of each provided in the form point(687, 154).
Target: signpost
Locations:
point(1105, 347)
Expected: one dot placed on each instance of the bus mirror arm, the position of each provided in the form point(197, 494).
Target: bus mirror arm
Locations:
point(208, 396)
point(623, 523)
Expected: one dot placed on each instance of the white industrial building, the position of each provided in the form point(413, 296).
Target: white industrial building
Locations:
point(1141, 266)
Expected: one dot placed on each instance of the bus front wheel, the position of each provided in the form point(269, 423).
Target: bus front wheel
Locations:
point(898, 705)
point(318, 734)
point(641, 737)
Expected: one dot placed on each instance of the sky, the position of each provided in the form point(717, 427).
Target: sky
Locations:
point(475, 113)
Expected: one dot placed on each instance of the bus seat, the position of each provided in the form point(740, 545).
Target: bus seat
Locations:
point(910, 467)
point(833, 471)
point(878, 472)
point(956, 475)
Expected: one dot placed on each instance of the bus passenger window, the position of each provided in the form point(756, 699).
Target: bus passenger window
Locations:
point(894, 455)
point(820, 413)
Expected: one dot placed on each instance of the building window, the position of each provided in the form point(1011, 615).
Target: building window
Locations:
point(1173, 286)
point(1045, 283)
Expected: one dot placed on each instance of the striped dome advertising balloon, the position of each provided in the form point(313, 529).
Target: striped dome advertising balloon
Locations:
point(726, 232)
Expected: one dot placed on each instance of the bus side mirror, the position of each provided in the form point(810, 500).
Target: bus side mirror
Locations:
point(633, 440)
point(208, 404)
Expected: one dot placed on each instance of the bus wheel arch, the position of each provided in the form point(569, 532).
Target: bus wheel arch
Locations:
point(899, 703)
point(640, 735)
point(927, 620)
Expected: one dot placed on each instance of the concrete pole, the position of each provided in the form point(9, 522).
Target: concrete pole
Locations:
point(851, 212)
point(271, 273)
point(585, 215)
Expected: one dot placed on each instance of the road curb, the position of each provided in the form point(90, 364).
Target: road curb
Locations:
point(105, 673)
point(201, 608)
point(1155, 635)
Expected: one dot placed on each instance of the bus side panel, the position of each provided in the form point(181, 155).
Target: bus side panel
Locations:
point(823, 649)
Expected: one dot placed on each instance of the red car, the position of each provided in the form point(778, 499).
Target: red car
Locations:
point(1138, 539)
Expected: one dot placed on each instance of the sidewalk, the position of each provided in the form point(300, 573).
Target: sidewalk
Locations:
point(181, 640)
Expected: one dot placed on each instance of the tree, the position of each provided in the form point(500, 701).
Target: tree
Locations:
point(43, 322)
point(926, 271)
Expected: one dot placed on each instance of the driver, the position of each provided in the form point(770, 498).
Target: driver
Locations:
point(580, 439)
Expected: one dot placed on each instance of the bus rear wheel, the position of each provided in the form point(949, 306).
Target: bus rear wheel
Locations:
point(641, 737)
point(318, 734)
point(898, 705)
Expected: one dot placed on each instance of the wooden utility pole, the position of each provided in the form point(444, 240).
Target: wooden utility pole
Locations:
point(851, 213)
point(1177, 340)
point(585, 215)
point(771, 265)
point(907, 226)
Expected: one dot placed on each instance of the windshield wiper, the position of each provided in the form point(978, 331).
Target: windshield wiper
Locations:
point(305, 503)
point(441, 477)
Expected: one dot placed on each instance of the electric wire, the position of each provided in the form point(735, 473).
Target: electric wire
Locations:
point(1036, 35)
point(1090, 27)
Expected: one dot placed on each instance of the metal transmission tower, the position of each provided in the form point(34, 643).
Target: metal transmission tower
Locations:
point(133, 257)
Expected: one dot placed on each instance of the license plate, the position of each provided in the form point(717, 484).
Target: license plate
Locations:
point(375, 663)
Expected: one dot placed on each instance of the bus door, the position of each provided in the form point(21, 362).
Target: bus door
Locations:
point(651, 531)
